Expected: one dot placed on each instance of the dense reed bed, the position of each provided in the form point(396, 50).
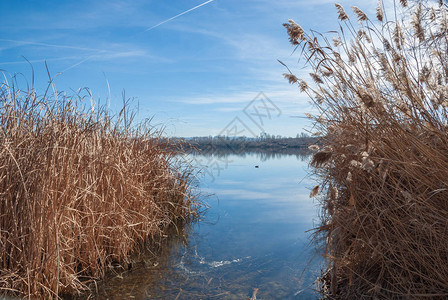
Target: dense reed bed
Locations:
point(380, 88)
point(79, 191)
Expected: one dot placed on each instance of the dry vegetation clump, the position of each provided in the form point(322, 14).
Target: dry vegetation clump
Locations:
point(381, 89)
point(79, 190)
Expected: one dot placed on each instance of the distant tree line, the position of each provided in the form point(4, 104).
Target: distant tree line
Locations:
point(264, 143)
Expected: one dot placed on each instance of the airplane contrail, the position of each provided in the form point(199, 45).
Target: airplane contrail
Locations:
point(176, 16)
point(78, 63)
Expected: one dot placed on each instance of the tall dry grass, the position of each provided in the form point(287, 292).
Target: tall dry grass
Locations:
point(79, 190)
point(381, 91)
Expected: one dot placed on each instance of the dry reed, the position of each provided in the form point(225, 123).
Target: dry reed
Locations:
point(382, 104)
point(79, 190)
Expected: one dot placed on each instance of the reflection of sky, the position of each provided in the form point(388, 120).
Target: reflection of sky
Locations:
point(258, 212)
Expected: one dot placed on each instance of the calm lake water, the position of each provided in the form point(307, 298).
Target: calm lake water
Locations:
point(252, 236)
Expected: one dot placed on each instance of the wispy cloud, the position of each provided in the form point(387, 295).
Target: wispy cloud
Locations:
point(294, 4)
point(280, 93)
point(239, 97)
point(21, 43)
point(98, 56)
point(23, 61)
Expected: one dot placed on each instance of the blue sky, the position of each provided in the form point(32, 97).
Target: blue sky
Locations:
point(194, 74)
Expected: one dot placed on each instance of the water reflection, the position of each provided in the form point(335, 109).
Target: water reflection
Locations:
point(252, 236)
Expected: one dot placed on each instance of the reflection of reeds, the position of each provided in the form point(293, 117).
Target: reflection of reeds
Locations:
point(79, 190)
point(383, 103)
point(271, 145)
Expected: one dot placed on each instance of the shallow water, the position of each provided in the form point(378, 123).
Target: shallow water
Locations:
point(253, 236)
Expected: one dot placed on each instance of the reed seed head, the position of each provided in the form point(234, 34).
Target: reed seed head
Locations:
point(379, 11)
point(291, 78)
point(303, 86)
point(360, 14)
point(342, 15)
point(316, 78)
point(314, 191)
point(337, 41)
point(295, 32)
